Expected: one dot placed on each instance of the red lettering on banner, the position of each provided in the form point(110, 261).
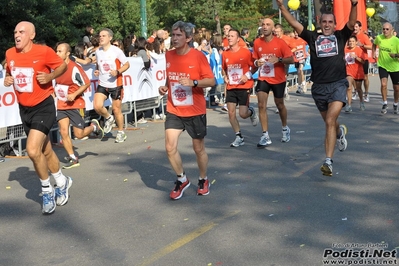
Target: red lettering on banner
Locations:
point(93, 85)
point(7, 99)
point(160, 75)
point(127, 80)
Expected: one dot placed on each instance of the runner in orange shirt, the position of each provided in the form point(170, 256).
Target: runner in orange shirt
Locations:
point(298, 48)
point(236, 70)
point(354, 57)
point(279, 32)
point(363, 41)
point(188, 72)
point(29, 70)
point(226, 29)
point(270, 54)
point(69, 89)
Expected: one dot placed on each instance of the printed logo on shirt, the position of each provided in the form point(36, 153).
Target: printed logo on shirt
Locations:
point(326, 46)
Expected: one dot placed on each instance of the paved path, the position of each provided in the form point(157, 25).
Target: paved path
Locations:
point(266, 207)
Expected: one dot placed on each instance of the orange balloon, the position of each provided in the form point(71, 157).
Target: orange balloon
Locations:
point(294, 4)
point(370, 12)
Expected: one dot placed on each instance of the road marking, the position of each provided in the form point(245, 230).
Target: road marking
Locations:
point(186, 239)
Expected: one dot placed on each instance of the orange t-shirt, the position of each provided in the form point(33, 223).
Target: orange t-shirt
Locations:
point(286, 38)
point(25, 66)
point(272, 73)
point(353, 67)
point(68, 83)
point(364, 39)
point(298, 48)
point(236, 64)
point(185, 101)
point(226, 46)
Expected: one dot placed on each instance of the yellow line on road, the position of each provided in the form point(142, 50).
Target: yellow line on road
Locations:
point(186, 239)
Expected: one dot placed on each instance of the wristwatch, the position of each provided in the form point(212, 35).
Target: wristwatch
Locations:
point(280, 59)
point(195, 82)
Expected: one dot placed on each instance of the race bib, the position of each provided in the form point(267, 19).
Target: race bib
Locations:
point(106, 66)
point(181, 95)
point(299, 54)
point(350, 60)
point(326, 46)
point(235, 75)
point(61, 91)
point(23, 78)
point(267, 70)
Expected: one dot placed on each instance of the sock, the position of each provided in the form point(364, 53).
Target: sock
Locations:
point(109, 117)
point(205, 178)
point(285, 128)
point(329, 160)
point(385, 102)
point(239, 134)
point(121, 131)
point(46, 186)
point(265, 133)
point(395, 104)
point(60, 179)
point(182, 177)
point(72, 156)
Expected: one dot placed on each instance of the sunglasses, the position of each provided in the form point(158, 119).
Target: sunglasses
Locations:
point(385, 28)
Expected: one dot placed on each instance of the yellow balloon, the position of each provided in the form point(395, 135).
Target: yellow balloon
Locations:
point(294, 4)
point(370, 11)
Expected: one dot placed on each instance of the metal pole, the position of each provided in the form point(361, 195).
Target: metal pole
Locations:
point(143, 12)
point(310, 15)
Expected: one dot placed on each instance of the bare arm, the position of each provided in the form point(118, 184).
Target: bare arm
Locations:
point(290, 19)
point(352, 15)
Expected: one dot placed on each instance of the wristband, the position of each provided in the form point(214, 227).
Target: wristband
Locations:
point(256, 63)
point(117, 71)
point(248, 75)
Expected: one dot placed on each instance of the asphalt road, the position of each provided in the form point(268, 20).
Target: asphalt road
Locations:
point(266, 207)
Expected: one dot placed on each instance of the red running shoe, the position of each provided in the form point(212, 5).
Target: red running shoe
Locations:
point(179, 189)
point(203, 187)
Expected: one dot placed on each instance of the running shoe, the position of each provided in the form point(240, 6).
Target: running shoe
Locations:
point(348, 109)
point(48, 206)
point(362, 107)
point(286, 94)
point(384, 109)
point(254, 118)
point(72, 163)
point(354, 96)
point(61, 193)
point(286, 135)
point(99, 132)
point(341, 140)
point(327, 168)
point(264, 141)
point(203, 187)
point(395, 109)
point(108, 124)
point(224, 108)
point(366, 98)
point(179, 189)
point(237, 142)
point(120, 137)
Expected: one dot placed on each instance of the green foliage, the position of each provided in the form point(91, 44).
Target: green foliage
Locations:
point(65, 20)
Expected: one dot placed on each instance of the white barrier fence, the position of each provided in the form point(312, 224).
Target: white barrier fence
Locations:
point(138, 84)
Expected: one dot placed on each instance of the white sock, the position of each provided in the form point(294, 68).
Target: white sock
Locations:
point(182, 177)
point(72, 156)
point(59, 177)
point(46, 186)
point(266, 134)
point(205, 178)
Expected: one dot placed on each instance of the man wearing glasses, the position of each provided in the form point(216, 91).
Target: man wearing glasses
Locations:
point(388, 64)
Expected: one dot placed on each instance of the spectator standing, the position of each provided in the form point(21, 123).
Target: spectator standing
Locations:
point(87, 37)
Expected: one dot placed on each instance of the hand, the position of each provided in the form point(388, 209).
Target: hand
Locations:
point(273, 59)
point(261, 62)
point(71, 97)
point(114, 73)
point(8, 81)
point(43, 77)
point(243, 79)
point(186, 82)
point(163, 90)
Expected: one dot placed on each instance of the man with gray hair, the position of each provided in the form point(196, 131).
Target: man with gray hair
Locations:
point(188, 72)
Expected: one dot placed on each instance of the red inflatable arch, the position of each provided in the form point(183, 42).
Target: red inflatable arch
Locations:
point(342, 9)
